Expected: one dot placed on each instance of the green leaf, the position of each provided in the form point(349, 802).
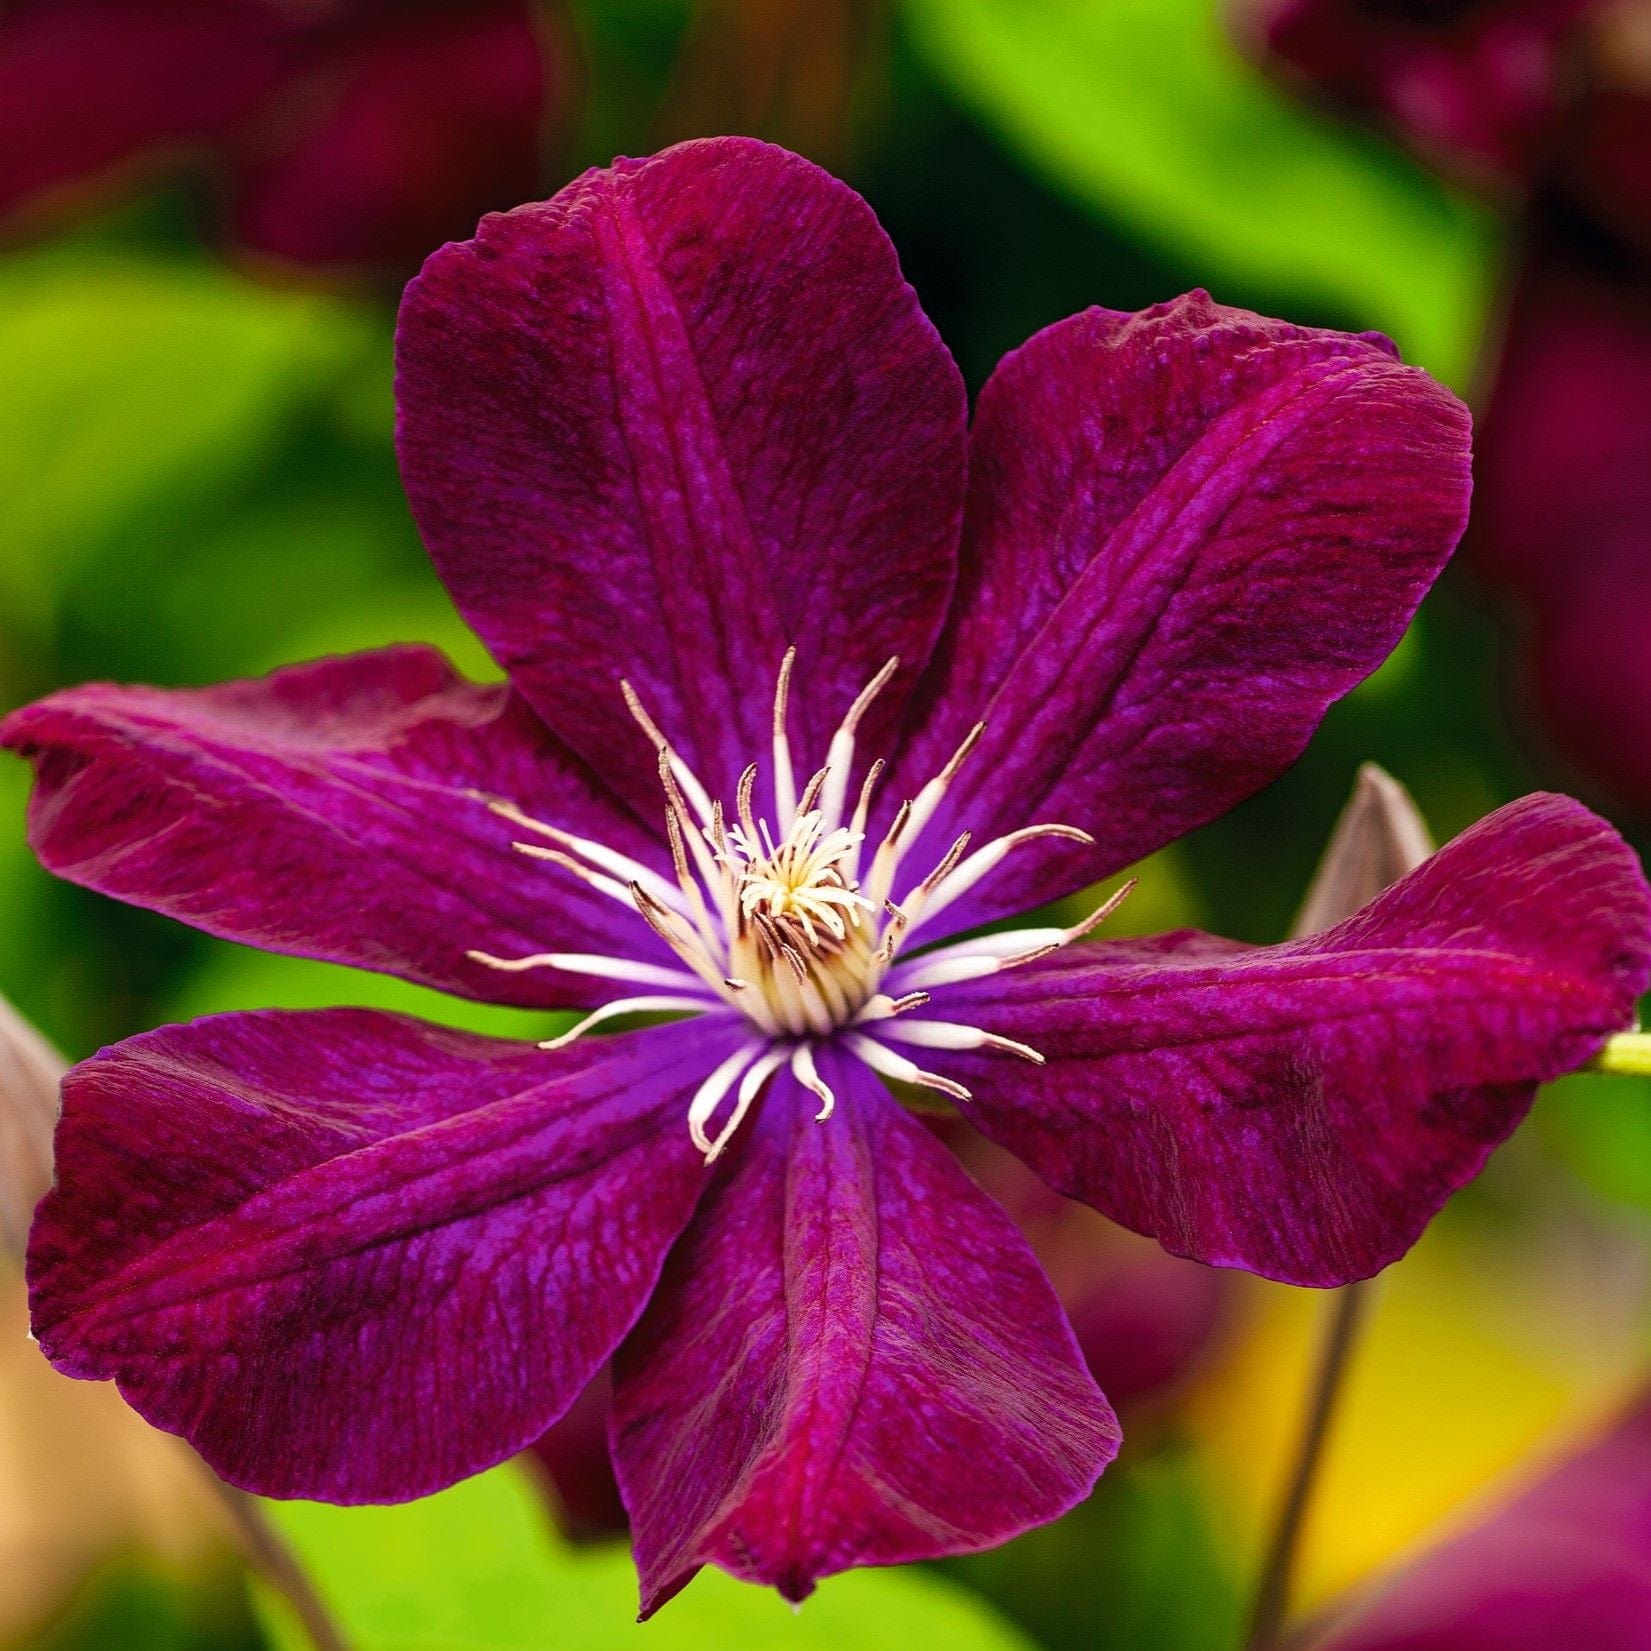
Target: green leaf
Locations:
point(1145, 109)
point(132, 386)
point(479, 1568)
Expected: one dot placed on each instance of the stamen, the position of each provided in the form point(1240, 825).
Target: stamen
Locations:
point(991, 954)
point(902, 1070)
point(753, 1081)
point(805, 1072)
point(627, 1006)
point(708, 1097)
point(785, 784)
point(686, 777)
point(592, 853)
point(987, 859)
point(862, 809)
point(880, 1006)
point(597, 880)
point(840, 753)
point(946, 1034)
point(588, 963)
point(928, 799)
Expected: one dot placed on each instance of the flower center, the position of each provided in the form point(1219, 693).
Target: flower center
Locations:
point(790, 922)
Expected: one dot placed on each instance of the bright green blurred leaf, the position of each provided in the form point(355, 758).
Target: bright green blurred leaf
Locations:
point(130, 386)
point(1146, 109)
point(479, 1569)
point(1601, 1127)
point(237, 977)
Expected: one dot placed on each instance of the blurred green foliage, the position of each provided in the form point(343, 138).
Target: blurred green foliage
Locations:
point(479, 1568)
point(1145, 108)
point(197, 480)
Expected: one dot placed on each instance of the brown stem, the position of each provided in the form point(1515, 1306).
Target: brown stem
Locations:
point(1346, 1315)
point(275, 1562)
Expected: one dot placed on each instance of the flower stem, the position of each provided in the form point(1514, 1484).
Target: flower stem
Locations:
point(1627, 1055)
point(1344, 1319)
point(275, 1562)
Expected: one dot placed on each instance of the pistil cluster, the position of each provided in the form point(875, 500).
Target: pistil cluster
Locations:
point(791, 922)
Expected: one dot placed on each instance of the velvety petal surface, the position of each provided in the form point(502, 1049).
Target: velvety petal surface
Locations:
point(354, 1257)
point(90, 86)
point(333, 810)
point(852, 1359)
point(682, 415)
point(1189, 531)
point(396, 131)
point(1304, 1110)
point(1565, 1564)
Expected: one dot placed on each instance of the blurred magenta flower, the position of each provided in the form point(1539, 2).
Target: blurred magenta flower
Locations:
point(1549, 99)
point(1500, 93)
point(692, 462)
point(1567, 1563)
point(344, 132)
point(1477, 85)
point(1564, 498)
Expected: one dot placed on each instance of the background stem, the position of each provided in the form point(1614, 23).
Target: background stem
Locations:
point(275, 1562)
point(1346, 1311)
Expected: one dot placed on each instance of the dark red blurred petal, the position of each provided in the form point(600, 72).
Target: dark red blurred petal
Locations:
point(1566, 1566)
point(1563, 505)
point(88, 86)
point(394, 133)
point(574, 1455)
point(1143, 1317)
point(1478, 86)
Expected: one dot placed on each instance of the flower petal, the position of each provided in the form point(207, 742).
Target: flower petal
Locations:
point(1189, 531)
point(91, 86)
point(354, 1257)
point(1564, 1564)
point(665, 424)
point(1304, 1110)
point(328, 811)
point(852, 1359)
point(1563, 508)
point(395, 133)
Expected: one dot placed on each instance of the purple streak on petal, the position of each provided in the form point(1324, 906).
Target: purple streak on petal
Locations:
point(1304, 1110)
point(354, 1257)
point(326, 811)
point(1189, 531)
point(683, 414)
point(852, 1359)
point(89, 86)
point(395, 132)
point(1566, 1564)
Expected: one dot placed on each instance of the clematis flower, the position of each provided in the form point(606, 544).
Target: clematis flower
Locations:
point(1501, 94)
point(793, 714)
point(346, 132)
point(1567, 1562)
point(1564, 505)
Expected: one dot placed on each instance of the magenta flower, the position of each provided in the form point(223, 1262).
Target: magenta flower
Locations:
point(1566, 1563)
point(791, 715)
point(344, 132)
